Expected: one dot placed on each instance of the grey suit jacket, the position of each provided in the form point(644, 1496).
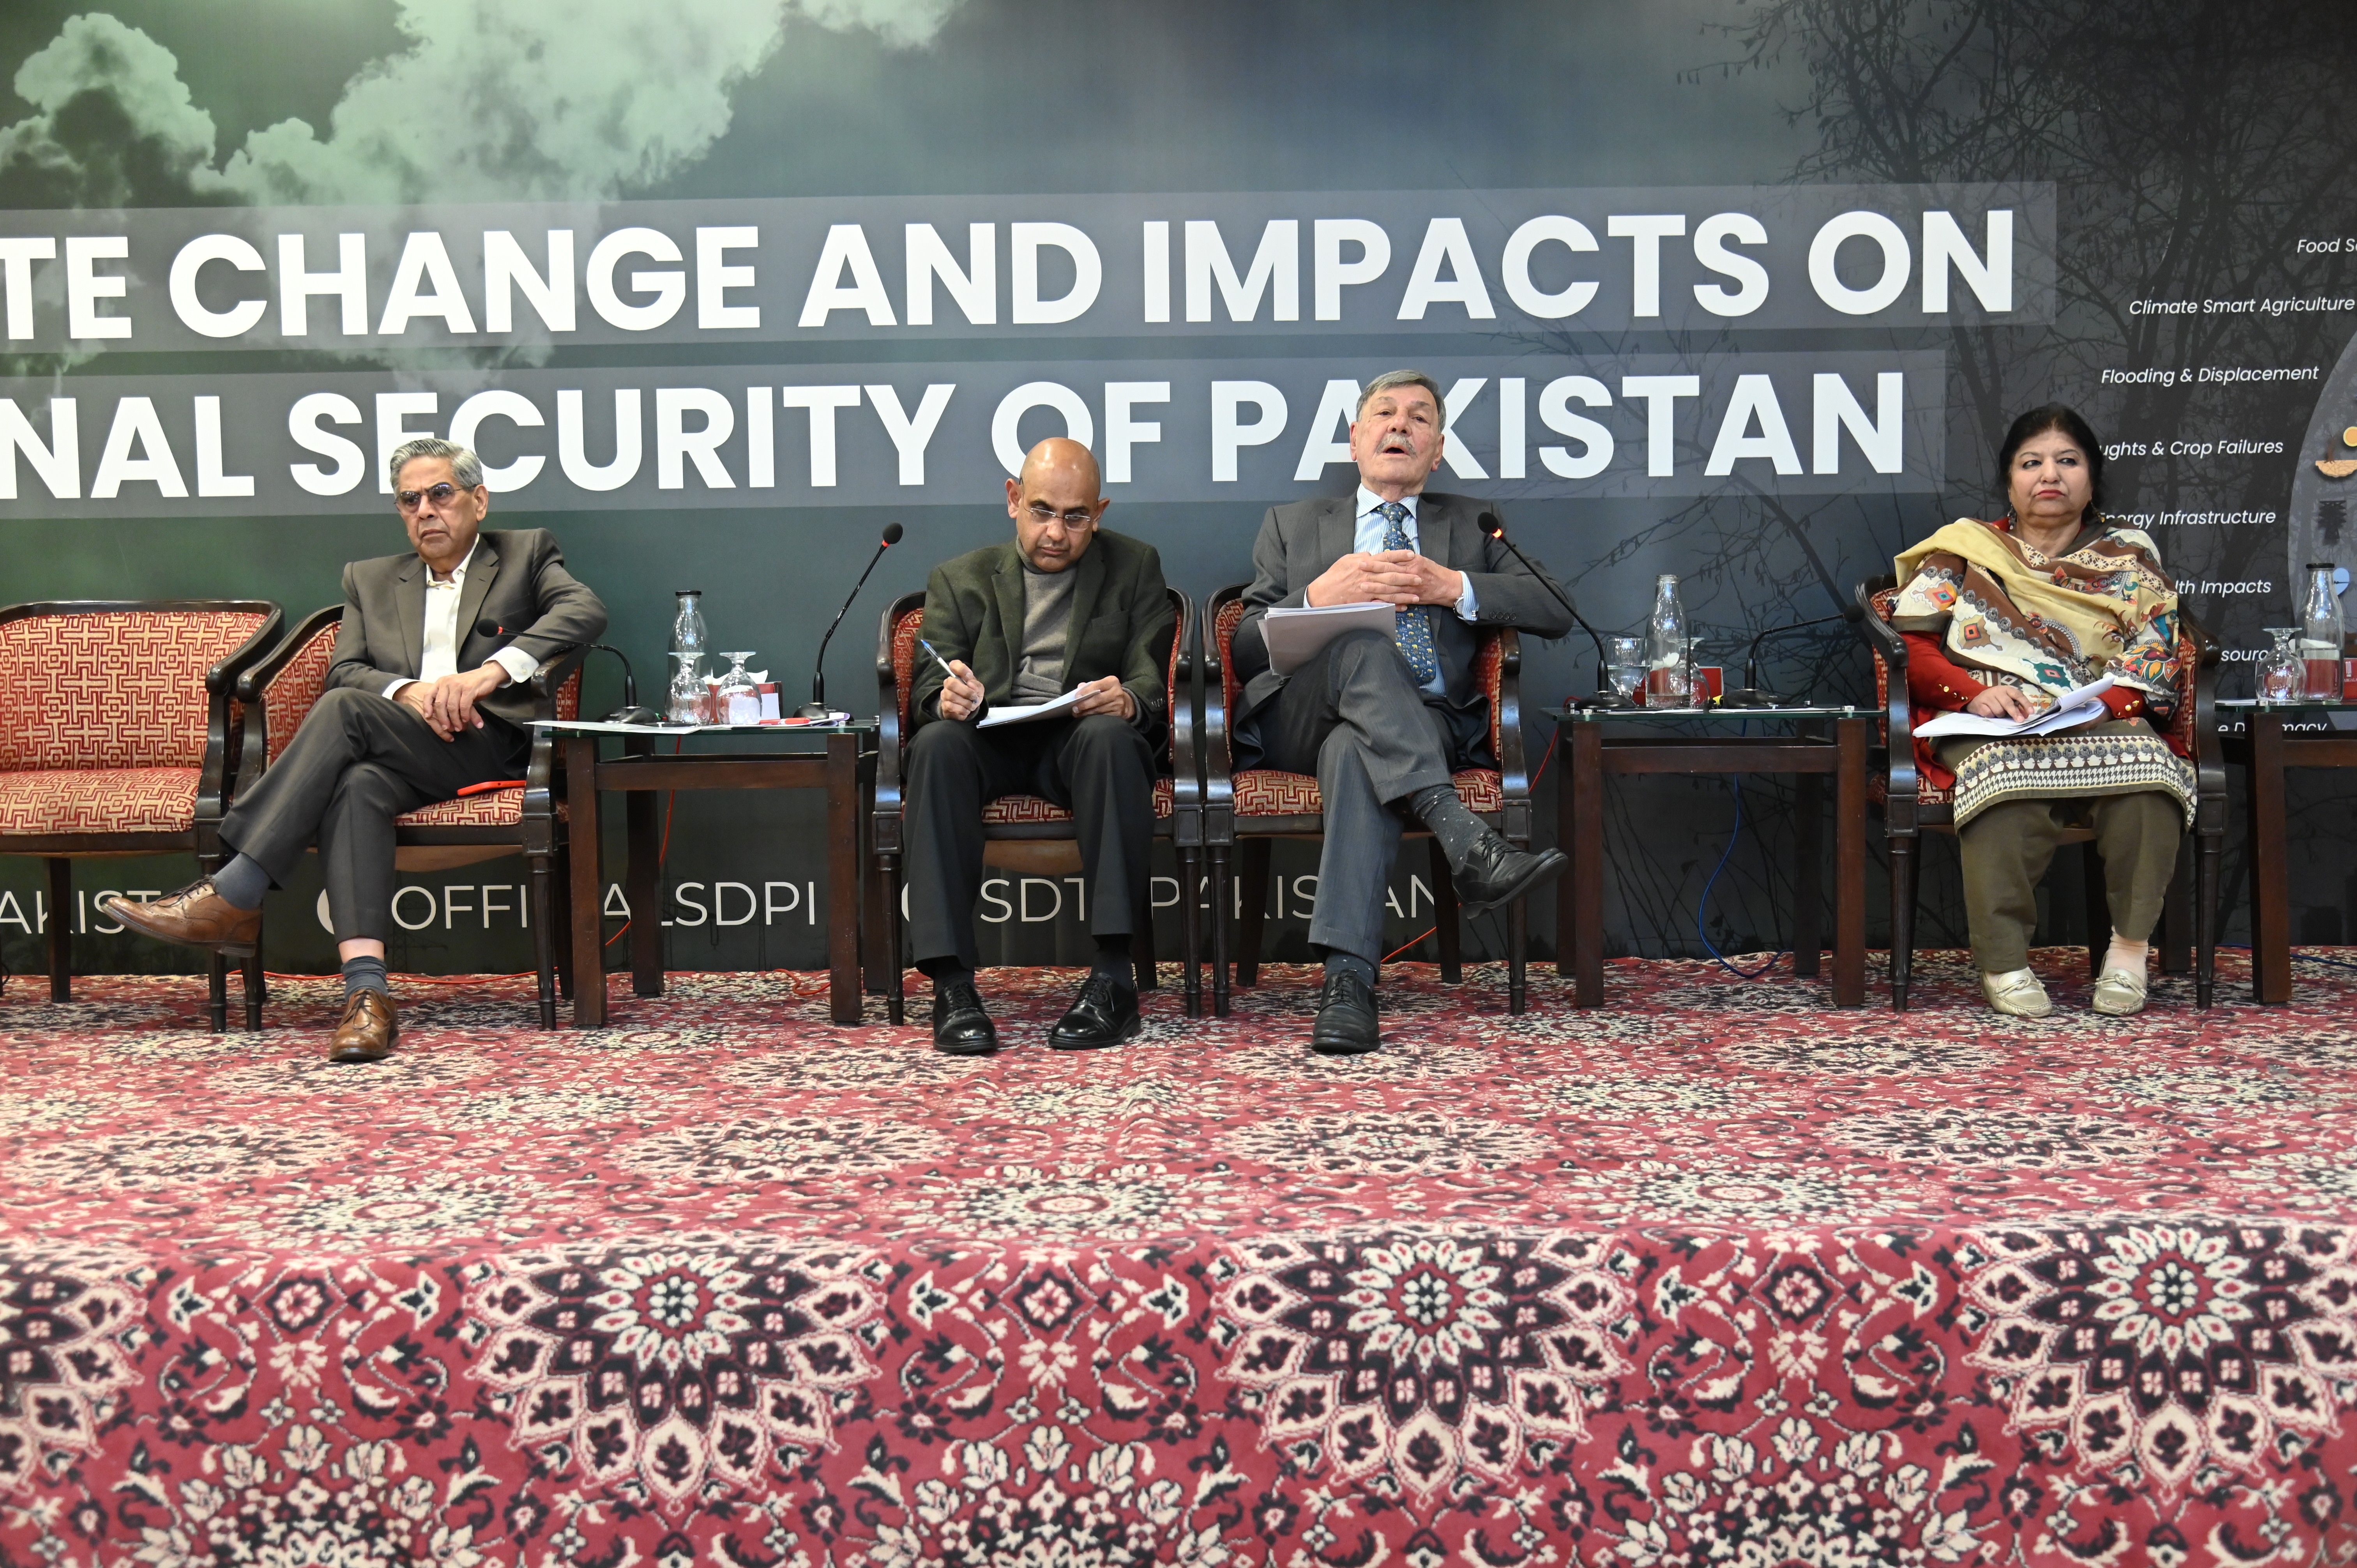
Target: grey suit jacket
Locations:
point(516, 580)
point(1299, 540)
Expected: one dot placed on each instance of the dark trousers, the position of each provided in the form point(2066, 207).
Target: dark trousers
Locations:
point(359, 761)
point(1099, 768)
point(1354, 716)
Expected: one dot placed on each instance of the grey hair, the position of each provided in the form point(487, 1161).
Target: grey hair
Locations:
point(1390, 379)
point(464, 467)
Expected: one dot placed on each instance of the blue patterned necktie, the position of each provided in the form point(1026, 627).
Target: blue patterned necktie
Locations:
point(1415, 631)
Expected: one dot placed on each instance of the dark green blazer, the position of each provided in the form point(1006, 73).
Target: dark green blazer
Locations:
point(1121, 624)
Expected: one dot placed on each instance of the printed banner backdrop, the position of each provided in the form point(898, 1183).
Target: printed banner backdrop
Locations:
point(1743, 293)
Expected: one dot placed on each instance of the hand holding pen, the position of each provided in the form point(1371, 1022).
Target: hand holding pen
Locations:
point(962, 694)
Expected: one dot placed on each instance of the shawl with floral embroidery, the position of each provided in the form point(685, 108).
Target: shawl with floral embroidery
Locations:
point(2018, 617)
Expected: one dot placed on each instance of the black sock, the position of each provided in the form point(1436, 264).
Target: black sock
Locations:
point(365, 973)
point(1113, 957)
point(1349, 964)
point(944, 972)
point(241, 883)
point(1438, 808)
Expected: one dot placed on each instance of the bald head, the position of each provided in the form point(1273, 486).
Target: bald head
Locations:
point(1055, 504)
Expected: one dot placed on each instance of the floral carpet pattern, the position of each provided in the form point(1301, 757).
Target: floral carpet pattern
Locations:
point(1715, 1275)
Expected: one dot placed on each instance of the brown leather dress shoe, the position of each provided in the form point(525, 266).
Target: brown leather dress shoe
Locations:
point(368, 1030)
point(195, 916)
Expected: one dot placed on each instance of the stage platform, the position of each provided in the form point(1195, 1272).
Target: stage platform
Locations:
point(1718, 1274)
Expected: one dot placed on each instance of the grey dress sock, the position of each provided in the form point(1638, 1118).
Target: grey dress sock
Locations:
point(1438, 807)
point(1351, 963)
point(365, 973)
point(241, 883)
point(1112, 957)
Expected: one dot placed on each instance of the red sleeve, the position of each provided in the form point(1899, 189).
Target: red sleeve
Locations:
point(1935, 682)
point(2125, 702)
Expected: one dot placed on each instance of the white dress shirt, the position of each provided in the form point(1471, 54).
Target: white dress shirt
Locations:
point(440, 654)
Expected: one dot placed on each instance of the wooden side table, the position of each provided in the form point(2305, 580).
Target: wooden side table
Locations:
point(1808, 752)
point(2266, 748)
point(845, 769)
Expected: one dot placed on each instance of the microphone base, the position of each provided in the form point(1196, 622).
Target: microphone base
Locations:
point(1601, 702)
point(813, 710)
point(1746, 697)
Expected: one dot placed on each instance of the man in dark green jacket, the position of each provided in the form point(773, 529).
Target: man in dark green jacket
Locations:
point(1065, 606)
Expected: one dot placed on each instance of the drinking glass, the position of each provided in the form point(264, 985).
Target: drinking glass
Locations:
point(1626, 665)
point(685, 703)
point(2283, 673)
point(737, 683)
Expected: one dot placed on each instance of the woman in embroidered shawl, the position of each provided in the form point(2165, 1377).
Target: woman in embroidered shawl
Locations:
point(2003, 617)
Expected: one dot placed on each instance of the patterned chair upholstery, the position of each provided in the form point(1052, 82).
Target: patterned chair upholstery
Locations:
point(1911, 805)
point(118, 735)
point(1245, 809)
point(1012, 822)
point(525, 818)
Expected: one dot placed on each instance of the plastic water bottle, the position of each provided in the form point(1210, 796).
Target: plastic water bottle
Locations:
point(691, 645)
point(2322, 629)
point(1667, 682)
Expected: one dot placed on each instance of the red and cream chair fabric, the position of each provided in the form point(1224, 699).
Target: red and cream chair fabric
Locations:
point(1245, 810)
point(1911, 805)
point(279, 693)
point(1025, 832)
point(117, 737)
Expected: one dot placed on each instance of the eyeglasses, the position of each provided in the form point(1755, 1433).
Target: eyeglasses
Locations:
point(440, 494)
point(1043, 514)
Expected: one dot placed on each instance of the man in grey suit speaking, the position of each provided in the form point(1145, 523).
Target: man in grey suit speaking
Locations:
point(425, 697)
point(1383, 721)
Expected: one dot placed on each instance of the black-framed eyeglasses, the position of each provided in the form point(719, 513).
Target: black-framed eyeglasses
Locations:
point(1043, 514)
point(441, 495)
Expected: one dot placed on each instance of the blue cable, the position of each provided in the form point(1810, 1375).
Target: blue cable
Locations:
point(1702, 909)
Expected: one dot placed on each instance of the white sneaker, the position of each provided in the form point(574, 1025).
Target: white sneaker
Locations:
point(2119, 993)
point(2017, 992)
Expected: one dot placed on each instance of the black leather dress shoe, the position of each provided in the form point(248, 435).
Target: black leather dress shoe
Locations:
point(1346, 1017)
point(1496, 872)
point(960, 1028)
point(1104, 1014)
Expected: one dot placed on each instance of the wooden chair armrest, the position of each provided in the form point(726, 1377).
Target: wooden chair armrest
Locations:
point(1217, 763)
point(2209, 753)
point(1185, 733)
point(221, 680)
point(1885, 641)
point(889, 803)
point(253, 681)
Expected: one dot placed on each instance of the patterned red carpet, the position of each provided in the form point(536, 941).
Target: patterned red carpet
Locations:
point(1715, 1276)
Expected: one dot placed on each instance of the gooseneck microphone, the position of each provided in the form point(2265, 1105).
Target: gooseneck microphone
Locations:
point(1751, 696)
point(1605, 697)
point(630, 712)
point(816, 707)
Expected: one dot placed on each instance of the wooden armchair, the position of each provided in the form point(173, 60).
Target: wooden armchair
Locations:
point(1911, 805)
point(118, 737)
point(1026, 832)
point(279, 692)
point(1245, 811)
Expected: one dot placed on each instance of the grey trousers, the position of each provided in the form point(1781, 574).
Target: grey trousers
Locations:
point(1100, 768)
point(359, 761)
point(2007, 849)
point(1354, 716)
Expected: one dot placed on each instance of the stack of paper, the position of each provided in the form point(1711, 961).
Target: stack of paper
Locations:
point(2073, 708)
point(1294, 636)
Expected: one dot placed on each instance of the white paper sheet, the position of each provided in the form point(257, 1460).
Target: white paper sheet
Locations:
point(1025, 712)
point(2074, 707)
point(1294, 636)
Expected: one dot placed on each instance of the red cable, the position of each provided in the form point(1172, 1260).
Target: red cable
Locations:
point(1407, 944)
point(1547, 758)
point(662, 856)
